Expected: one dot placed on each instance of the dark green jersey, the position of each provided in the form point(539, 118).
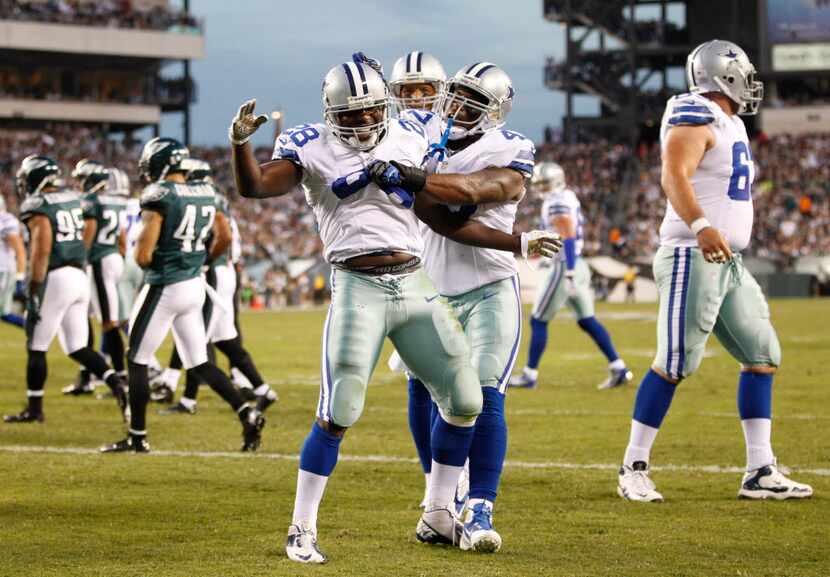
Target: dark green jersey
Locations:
point(108, 212)
point(188, 211)
point(63, 209)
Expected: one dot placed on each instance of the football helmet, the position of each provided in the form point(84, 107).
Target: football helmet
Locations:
point(417, 68)
point(197, 170)
point(722, 66)
point(350, 87)
point(548, 177)
point(118, 183)
point(161, 156)
point(83, 168)
point(95, 180)
point(36, 173)
point(492, 85)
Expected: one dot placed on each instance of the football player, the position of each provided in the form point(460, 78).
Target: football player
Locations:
point(58, 291)
point(104, 238)
point(176, 220)
point(371, 238)
point(12, 265)
point(568, 282)
point(219, 316)
point(483, 177)
point(704, 287)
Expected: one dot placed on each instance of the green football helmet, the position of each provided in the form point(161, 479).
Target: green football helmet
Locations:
point(36, 173)
point(83, 169)
point(160, 157)
point(96, 180)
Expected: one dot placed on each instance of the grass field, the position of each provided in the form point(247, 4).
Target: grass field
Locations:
point(196, 508)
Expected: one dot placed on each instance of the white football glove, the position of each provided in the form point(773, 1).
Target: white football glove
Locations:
point(245, 123)
point(540, 243)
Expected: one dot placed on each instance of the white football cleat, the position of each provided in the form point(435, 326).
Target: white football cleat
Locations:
point(770, 483)
point(301, 545)
point(616, 378)
point(438, 526)
point(478, 533)
point(634, 484)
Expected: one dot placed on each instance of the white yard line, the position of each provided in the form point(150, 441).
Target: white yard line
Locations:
point(18, 449)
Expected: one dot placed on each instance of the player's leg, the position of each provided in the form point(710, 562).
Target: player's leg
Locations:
point(106, 275)
point(432, 343)
point(492, 320)
point(689, 300)
point(352, 339)
point(582, 303)
point(745, 330)
point(163, 386)
point(7, 287)
point(550, 297)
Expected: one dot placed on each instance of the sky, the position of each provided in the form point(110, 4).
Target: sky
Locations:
point(278, 51)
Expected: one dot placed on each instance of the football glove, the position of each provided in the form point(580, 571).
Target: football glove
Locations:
point(393, 173)
point(33, 302)
point(245, 123)
point(540, 243)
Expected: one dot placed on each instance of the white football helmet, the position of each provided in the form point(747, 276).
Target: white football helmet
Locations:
point(197, 170)
point(722, 66)
point(118, 183)
point(548, 177)
point(417, 68)
point(494, 87)
point(355, 86)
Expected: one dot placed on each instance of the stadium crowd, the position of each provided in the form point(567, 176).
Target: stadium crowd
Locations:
point(791, 194)
point(110, 13)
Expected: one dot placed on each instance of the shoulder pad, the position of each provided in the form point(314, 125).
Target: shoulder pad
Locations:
point(155, 192)
point(689, 110)
point(31, 203)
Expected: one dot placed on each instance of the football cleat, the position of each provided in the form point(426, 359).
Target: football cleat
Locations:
point(252, 430)
point(129, 445)
point(616, 378)
point(120, 394)
point(438, 526)
point(301, 545)
point(161, 393)
point(770, 483)
point(263, 402)
point(634, 484)
point(478, 533)
point(522, 381)
point(178, 409)
point(78, 389)
point(247, 394)
point(25, 416)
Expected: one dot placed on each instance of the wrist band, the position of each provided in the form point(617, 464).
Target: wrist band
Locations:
point(20, 276)
point(524, 240)
point(699, 225)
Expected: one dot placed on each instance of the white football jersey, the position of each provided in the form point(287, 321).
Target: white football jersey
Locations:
point(8, 225)
point(355, 220)
point(430, 121)
point(132, 223)
point(564, 202)
point(722, 181)
point(457, 268)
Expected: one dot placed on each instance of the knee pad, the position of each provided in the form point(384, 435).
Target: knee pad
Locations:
point(693, 359)
point(770, 347)
point(466, 399)
point(346, 404)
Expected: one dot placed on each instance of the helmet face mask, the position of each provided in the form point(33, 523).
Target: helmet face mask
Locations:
point(417, 95)
point(356, 105)
point(413, 71)
point(722, 66)
point(118, 183)
point(478, 99)
point(83, 168)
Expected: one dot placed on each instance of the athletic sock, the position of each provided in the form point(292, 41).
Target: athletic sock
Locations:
point(94, 363)
point(187, 403)
point(618, 365)
point(115, 348)
point(600, 336)
point(171, 377)
point(13, 319)
point(191, 385)
point(139, 396)
point(318, 458)
point(650, 407)
point(241, 359)
point(489, 447)
point(755, 409)
point(36, 371)
point(420, 421)
point(538, 342)
point(450, 447)
point(265, 390)
point(220, 383)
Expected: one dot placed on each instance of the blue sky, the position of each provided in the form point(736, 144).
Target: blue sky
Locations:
point(279, 51)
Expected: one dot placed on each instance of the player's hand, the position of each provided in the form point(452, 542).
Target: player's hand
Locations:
point(33, 303)
point(714, 246)
point(540, 243)
point(245, 123)
point(19, 290)
point(394, 173)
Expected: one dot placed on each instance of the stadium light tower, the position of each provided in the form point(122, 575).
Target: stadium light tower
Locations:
point(277, 116)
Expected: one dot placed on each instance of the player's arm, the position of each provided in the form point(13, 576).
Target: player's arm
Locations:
point(40, 242)
point(122, 242)
point(221, 236)
point(15, 243)
point(682, 153)
point(90, 230)
point(565, 226)
point(148, 238)
point(254, 180)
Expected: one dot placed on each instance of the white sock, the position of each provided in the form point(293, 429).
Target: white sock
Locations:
point(171, 377)
point(617, 365)
point(441, 485)
point(310, 487)
point(239, 379)
point(531, 373)
point(639, 443)
point(187, 403)
point(757, 433)
point(155, 364)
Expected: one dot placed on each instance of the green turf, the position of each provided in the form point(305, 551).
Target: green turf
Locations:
point(116, 515)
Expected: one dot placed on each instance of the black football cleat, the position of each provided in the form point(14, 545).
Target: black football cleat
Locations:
point(252, 431)
point(25, 416)
point(263, 402)
point(247, 394)
point(129, 445)
point(161, 393)
point(178, 409)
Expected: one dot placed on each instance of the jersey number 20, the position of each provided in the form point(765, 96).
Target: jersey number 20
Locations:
point(740, 183)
